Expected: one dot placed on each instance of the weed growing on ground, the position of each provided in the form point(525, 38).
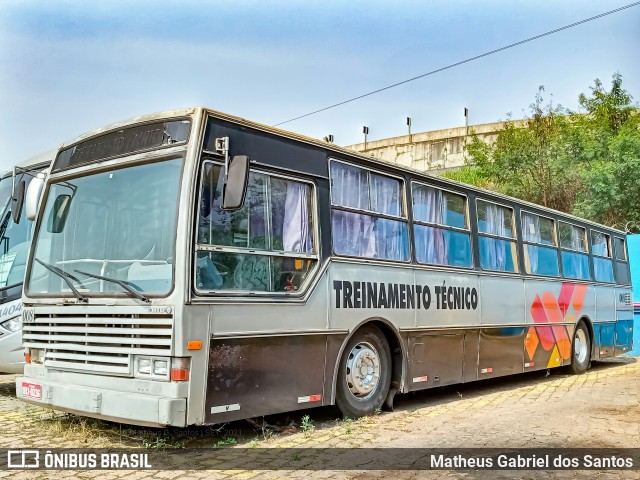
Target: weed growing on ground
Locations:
point(162, 443)
point(254, 443)
point(267, 435)
point(225, 442)
point(347, 425)
point(307, 425)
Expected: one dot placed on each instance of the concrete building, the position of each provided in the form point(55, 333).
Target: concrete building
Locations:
point(438, 150)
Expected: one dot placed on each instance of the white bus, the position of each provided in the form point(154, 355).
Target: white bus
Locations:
point(15, 238)
point(190, 267)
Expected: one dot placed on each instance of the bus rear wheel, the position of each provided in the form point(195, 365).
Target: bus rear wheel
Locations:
point(580, 350)
point(364, 373)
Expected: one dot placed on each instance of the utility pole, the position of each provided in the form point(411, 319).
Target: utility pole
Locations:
point(466, 121)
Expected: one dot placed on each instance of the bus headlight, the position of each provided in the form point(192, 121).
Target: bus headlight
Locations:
point(36, 355)
point(160, 367)
point(13, 324)
point(153, 368)
point(144, 366)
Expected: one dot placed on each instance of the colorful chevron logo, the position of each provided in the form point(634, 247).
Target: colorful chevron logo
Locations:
point(548, 311)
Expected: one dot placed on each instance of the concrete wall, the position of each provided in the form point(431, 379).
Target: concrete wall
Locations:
point(437, 151)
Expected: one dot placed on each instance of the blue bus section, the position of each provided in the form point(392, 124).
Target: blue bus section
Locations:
point(633, 246)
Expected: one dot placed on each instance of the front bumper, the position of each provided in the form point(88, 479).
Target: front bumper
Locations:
point(11, 352)
point(148, 409)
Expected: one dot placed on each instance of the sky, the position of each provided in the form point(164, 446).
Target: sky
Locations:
point(72, 66)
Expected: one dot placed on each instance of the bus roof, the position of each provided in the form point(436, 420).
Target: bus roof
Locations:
point(44, 159)
point(319, 143)
point(41, 158)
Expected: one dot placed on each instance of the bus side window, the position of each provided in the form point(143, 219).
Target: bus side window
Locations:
point(601, 251)
point(540, 245)
point(258, 247)
point(367, 218)
point(496, 237)
point(622, 266)
point(573, 253)
point(442, 235)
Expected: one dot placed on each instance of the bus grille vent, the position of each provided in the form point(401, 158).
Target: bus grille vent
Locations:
point(101, 344)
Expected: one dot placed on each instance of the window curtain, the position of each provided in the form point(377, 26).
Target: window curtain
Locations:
point(531, 233)
point(602, 267)
point(391, 239)
point(600, 249)
point(296, 236)
point(578, 267)
point(495, 248)
point(365, 235)
point(391, 235)
point(352, 233)
point(430, 206)
point(577, 239)
point(350, 186)
point(385, 195)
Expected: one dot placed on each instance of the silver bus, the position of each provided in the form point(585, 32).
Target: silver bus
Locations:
point(15, 239)
point(191, 267)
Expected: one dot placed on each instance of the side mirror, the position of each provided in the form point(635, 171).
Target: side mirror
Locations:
point(58, 215)
point(34, 192)
point(235, 188)
point(17, 201)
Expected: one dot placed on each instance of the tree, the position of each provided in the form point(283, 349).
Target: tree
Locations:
point(528, 159)
point(586, 162)
point(612, 179)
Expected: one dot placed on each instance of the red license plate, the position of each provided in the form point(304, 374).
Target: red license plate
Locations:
point(31, 390)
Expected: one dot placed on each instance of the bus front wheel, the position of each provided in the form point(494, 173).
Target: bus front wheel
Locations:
point(364, 374)
point(580, 350)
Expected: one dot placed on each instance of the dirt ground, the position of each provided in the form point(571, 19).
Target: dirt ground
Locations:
point(598, 409)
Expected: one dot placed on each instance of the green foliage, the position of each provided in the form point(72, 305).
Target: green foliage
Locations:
point(348, 422)
point(162, 443)
point(470, 175)
point(528, 159)
point(612, 193)
point(307, 425)
point(607, 146)
point(584, 163)
point(225, 442)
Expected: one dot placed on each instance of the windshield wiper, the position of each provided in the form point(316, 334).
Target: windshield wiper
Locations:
point(124, 284)
point(65, 276)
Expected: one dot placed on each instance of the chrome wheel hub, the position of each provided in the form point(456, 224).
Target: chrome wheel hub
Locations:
point(580, 346)
point(363, 370)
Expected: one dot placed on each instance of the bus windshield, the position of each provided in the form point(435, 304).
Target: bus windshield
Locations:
point(109, 233)
point(5, 192)
point(14, 238)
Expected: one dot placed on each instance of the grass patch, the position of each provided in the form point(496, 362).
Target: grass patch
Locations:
point(307, 425)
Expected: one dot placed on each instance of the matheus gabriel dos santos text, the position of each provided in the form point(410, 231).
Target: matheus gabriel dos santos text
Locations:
point(533, 461)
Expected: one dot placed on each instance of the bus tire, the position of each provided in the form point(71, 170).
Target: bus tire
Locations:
point(364, 373)
point(580, 350)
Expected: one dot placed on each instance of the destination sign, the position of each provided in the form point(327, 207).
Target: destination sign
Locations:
point(124, 141)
